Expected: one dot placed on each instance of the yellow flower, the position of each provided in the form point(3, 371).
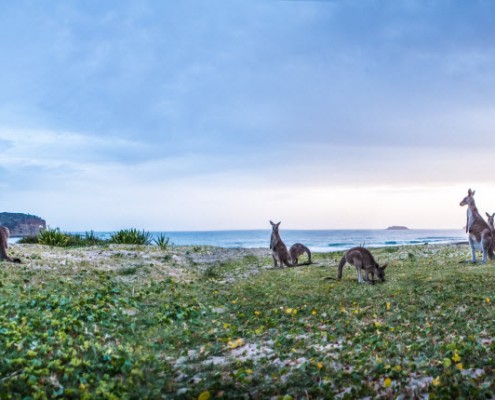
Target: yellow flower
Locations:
point(387, 382)
point(488, 300)
point(257, 313)
point(319, 365)
point(459, 366)
point(238, 343)
point(456, 357)
point(249, 371)
point(313, 312)
point(342, 309)
point(378, 324)
point(436, 381)
point(355, 311)
point(226, 326)
point(204, 395)
point(288, 311)
point(388, 305)
point(294, 312)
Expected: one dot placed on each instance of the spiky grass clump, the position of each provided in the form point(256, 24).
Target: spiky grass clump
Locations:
point(53, 237)
point(162, 241)
point(131, 236)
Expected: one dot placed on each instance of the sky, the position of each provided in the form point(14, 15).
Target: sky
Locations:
point(225, 114)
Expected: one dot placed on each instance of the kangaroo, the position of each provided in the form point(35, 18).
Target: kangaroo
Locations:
point(480, 235)
point(278, 248)
point(490, 221)
point(298, 249)
point(4, 237)
point(361, 258)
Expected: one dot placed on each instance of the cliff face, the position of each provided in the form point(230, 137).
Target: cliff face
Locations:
point(22, 224)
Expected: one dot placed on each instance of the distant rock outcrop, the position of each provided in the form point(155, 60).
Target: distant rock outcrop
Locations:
point(20, 224)
point(397, 228)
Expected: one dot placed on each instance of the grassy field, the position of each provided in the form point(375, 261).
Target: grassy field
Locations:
point(195, 322)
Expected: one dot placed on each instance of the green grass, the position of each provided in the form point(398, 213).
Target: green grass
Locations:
point(128, 332)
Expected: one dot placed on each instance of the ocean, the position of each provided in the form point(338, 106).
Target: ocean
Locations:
point(316, 240)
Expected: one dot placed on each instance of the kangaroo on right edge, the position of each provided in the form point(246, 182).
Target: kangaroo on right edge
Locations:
point(480, 234)
point(4, 237)
point(490, 220)
point(297, 250)
point(278, 248)
point(361, 258)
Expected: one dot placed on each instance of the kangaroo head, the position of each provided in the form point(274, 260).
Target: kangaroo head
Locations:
point(275, 226)
point(380, 272)
point(469, 199)
point(490, 219)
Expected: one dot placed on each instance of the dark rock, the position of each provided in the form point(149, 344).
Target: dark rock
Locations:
point(20, 224)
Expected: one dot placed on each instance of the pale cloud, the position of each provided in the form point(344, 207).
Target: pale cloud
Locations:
point(214, 114)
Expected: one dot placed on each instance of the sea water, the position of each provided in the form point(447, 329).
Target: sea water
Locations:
point(316, 240)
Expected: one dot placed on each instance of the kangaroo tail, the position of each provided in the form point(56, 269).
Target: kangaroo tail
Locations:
point(289, 263)
point(341, 266)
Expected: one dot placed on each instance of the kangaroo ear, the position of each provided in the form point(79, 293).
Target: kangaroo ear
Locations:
point(474, 191)
point(488, 215)
point(384, 266)
point(272, 223)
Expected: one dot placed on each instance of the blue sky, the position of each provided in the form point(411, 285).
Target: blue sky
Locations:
point(225, 114)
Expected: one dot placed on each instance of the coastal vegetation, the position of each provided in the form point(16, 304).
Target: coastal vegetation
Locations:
point(132, 321)
point(55, 237)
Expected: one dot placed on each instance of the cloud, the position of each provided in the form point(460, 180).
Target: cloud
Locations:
point(204, 105)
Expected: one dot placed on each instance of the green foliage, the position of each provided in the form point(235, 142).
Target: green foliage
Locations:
point(162, 241)
point(90, 239)
point(259, 332)
point(53, 237)
point(28, 240)
point(131, 236)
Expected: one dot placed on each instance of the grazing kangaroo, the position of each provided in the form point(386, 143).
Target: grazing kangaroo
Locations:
point(278, 248)
point(480, 234)
point(297, 250)
point(361, 258)
point(4, 237)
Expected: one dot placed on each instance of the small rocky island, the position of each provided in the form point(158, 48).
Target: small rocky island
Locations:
point(397, 228)
point(21, 225)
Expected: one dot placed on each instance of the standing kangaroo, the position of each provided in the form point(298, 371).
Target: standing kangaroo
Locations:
point(298, 249)
point(361, 258)
point(4, 237)
point(480, 234)
point(278, 248)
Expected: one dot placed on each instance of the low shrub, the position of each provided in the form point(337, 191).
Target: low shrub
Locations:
point(162, 241)
point(28, 240)
point(131, 236)
point(53, 237)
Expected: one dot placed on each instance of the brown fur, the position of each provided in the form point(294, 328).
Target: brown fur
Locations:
point(279, 250)
point(297, 250)
point(479, 232)
point(4, 244)
point(362, 259)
